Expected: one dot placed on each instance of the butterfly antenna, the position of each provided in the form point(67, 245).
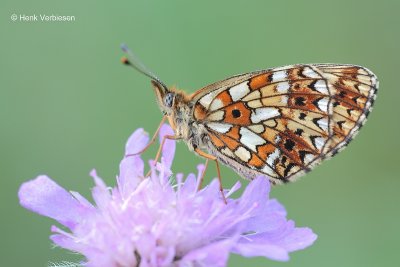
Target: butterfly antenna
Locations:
point(132, 60)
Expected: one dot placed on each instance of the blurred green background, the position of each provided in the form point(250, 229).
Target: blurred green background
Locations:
point(67, 105)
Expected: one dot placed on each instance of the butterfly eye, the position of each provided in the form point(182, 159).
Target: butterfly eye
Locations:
point(169, 99)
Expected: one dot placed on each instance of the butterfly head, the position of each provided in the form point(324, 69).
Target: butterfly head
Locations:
point(169, 99)
point(165, 97)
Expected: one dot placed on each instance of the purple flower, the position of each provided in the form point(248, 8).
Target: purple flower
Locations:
point(156, 222)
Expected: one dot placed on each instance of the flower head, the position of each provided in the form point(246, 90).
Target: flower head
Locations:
point(155, 222)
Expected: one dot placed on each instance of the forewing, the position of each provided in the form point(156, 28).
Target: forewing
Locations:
point(283, 121)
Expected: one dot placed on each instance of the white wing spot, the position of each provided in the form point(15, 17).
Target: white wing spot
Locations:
point(243, 154)
point(279, 76)
point(219, 127)
point(206, 100)
point(267, 170)
point(239, 91)
point(320, 86)
point(283, 87)
point(250, 139)
point(284, 100)
point(308, 158)
point(319, 142)
point(310, 73)
point(216, 104)
point(323, 124)
point(323, 104)
point(272, 157)
point(262, 114)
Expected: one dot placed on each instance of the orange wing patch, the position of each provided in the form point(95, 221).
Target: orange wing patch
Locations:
point(237, 114)
point(234, 133)
point(260, 81)
point(256, 161)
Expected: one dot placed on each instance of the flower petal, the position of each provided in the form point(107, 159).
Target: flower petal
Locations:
point(276, 245)
point(168, 150)
point(136, 142)
point(65, 242)
point(215, 254)
point(289, 237)
point(131, 167)
point(300, 238)
point(266, 218)
point(189, 187)
point(270, 251)
point(233, 189)
point(256, 192)
point(83, 201)
point(276, 207)
point(42, 195)
point(100, 192)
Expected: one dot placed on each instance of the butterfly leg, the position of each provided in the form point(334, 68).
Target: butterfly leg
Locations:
point(170, 137)
point(211, 157)
point(202, 175)
point(153, 139)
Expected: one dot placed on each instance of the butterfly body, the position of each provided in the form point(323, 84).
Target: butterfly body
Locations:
point(278, 122)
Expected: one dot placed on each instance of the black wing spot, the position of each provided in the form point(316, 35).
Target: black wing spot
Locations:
point(342, 94)
point(299, 131)
point(312, 85)
point(299, 101)
point(289, 144)
point(340, 123)
point(315, 121)
point(349, 110)
point(288, 168)
point(355, 99)
point(236, 113)
point(269, 78)
point(302, 116)
point(315, 102)
point(302, 154)
point(312, 138)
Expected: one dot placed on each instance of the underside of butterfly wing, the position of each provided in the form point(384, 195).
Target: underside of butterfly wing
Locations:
point(281, 122)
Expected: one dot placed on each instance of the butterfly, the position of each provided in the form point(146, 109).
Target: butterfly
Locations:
point(279, 122)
